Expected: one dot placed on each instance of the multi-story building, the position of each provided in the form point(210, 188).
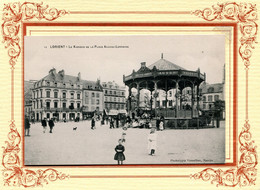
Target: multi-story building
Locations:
point(28, 85)
point(114, 97)
point(210, 94)
point(93, 98)
point(59, 96)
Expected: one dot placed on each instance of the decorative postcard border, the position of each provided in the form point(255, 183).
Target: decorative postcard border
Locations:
point(14, 14)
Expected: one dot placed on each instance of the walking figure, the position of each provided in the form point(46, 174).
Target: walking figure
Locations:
point(119, 156)
point(44, 124)
point(152, 138)
point(51, 125)
point(27, 126)
point(112, 123)
point(93, 123)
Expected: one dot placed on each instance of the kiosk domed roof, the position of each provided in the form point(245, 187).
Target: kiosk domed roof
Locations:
point(164, 64)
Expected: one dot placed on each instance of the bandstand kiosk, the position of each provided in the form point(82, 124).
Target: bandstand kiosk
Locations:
point(164, 75)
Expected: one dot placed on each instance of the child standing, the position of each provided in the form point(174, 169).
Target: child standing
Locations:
point(152, 138)
point(119, 156)
point(161, 126)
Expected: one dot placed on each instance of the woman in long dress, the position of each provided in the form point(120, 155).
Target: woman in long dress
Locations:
point(152, 142)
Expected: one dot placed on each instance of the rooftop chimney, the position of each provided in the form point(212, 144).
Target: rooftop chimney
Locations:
point(143, 64)
point(79, 76)
point(162, 56)
point(61, 73)
point(52, 71)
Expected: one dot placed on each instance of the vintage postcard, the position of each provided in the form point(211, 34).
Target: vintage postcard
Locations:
point(94, 93)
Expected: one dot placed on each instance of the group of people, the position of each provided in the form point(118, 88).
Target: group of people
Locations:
point(152, 143)
point(50, 122)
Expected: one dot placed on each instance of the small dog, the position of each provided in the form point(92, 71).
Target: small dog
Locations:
point(74, 128)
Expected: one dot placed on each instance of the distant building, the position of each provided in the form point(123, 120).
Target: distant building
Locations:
point(210, 93)
point(28, 85)
point(114, 98)
point(60, 96)
point(93, 98)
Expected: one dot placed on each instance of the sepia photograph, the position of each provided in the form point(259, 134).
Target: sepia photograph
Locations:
point(124, 100)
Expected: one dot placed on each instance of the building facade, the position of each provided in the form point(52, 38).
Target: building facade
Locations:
point(93, 98)
point(114, 98)
point(59, 96)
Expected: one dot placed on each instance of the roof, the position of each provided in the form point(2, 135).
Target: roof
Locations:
point(59, 78)
point(212, 88)
point(92, 85)
point(164, 64)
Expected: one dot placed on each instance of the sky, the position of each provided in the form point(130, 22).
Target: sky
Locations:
point(93, 60)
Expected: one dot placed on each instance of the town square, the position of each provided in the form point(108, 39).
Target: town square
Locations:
point(107, 112)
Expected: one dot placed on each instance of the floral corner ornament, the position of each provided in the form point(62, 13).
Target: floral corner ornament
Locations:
point(16, 13)
point(14, 173)
point(245, 15)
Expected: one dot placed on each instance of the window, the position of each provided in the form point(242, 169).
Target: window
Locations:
point(55, 84)
point(41, 93)
point(48, 94)
point(78, 86)
point(64, 95)
point(123, 93)
point(210, 98)
point(48, 115)
point(204, 98)
point(170, 94)
point(158, 104)
point(122, 106)
point(48, 105)
point(55, 104)
point(48, 83)
point(55, 94)
point(92, 101)
point(64, 105)
point(78, 105)
point(114, 92)
point(64, 85)
point(106, 99)
point(93, 94)
point(86, 94)
point(110, 92)
point(97, 100)
point(105, 91)
point(71, 105)
point(170, 103)
point(97, 109)
point(216, 97)
point(78, 96)
point(97, 95)
point(72, 95)
point(115, 99)
point(72, 86)
point(204, 106)
point(41, 104)
point(164, 103)
point(110, 106)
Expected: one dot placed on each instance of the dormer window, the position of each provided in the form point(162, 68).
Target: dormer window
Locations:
point(64, 85)
point(210, 90)
point(48, 83)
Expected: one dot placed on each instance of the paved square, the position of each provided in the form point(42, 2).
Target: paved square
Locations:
point(84, 146)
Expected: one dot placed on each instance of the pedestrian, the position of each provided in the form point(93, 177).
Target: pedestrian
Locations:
point(119, 156)
point(112, 123)
point(44, 124)
point(93, 123)
point(27, 126)
point(51, 125)
point(161, 126)
point(124, 133)
point(152, 138)
point(117, 121)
